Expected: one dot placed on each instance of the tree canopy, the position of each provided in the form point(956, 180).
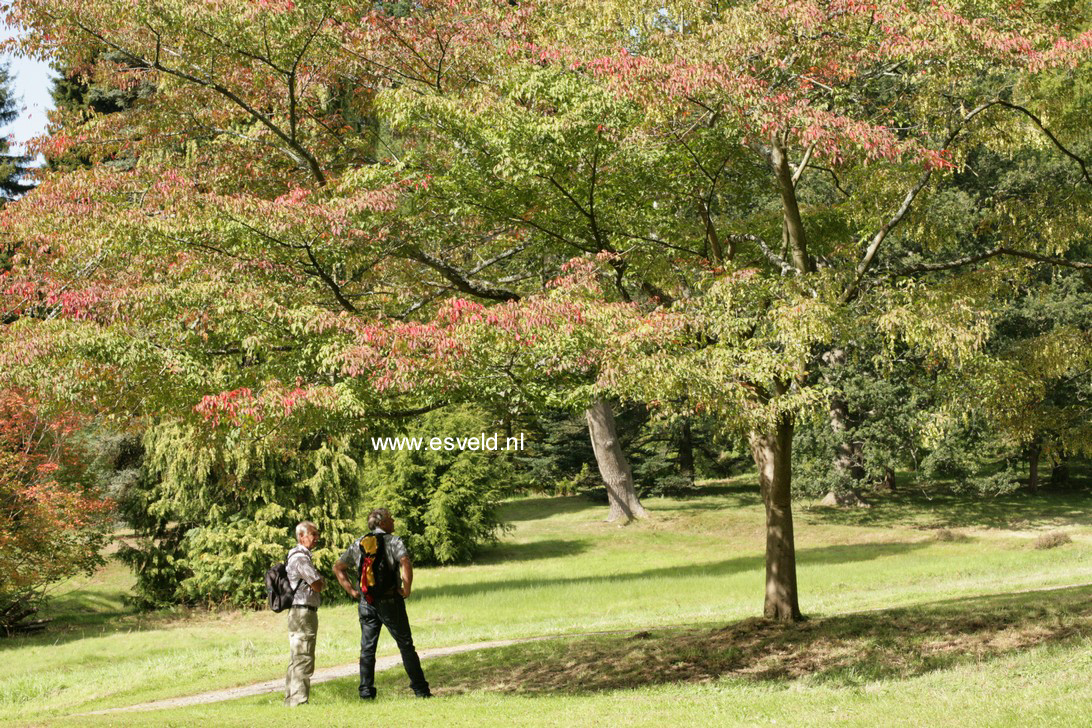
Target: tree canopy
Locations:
point(338, 214)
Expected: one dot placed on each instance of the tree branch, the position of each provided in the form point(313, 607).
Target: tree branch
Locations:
point(907, 201)
point(330, 282)
point(803, 164)
point(297, 151)
point(773, 257)
point(1038, 123)
point(794, 224)
point(992, 253)
point(460, 280)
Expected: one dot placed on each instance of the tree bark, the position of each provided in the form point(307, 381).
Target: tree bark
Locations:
point(772, 453)
point(613, 466)
point(1034, 451)
point(1059, 474)
point(684, 442)
point(887, 483)
point(847, 452)
point(793, 222)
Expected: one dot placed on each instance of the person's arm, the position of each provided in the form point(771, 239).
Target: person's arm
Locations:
point(309, 574)
point(341, 571)
point(407, 576)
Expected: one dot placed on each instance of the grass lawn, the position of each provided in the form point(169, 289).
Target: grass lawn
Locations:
point(950, 642)
point(1006, 660)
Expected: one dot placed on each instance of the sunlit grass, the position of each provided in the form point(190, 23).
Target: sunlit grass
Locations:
point(1042, 685)
point(563, 570)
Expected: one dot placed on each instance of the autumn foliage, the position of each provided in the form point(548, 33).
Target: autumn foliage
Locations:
point(326, 217)
point(51, 525)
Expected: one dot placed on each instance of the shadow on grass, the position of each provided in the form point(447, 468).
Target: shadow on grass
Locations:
point(80, 607)
point(538, 508)
point(728, 496)
point(94, 611)
point(72, 628)
point(840, 650)
point(944, 508)
point(697, 498)
point(78, 611)
point(755, 563)
point(548, 549)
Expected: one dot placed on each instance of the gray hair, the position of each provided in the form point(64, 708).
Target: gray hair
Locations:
point(377, 516)
point(303, 527)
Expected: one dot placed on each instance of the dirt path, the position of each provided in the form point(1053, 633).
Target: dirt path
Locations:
point(386, 663)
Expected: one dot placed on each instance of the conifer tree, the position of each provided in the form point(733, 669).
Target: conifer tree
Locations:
point(13, 167)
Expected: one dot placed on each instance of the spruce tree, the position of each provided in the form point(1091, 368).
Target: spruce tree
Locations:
point(13, 167)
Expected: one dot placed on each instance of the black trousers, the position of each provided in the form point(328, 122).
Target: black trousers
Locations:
point(389, 613)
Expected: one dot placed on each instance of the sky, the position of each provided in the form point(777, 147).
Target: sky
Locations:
point(31, 82)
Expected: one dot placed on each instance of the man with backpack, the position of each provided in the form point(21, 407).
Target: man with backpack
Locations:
point(305, 584)
point(377, 570)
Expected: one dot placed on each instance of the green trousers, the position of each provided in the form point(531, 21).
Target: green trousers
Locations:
point(302, 630)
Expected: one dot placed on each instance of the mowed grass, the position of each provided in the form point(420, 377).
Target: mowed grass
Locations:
point(696, 563)
point(1015, 659)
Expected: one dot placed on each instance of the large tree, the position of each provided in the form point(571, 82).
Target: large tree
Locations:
point(743, 188)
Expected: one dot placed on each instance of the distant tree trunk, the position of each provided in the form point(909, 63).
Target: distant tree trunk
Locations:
point(613, 466)
point(847, 453)
point(1035, 450)
point(887, 483)
point(772, 452)
point(684, 442)
point(1059, 474)
point(14, 614)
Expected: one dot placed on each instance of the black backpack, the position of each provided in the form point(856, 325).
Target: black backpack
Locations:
point(278, 587)
point(378, 579)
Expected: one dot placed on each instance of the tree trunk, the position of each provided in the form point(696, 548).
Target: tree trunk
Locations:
point(847, 457)
point(847, 453)
point(1059, 474)
point(14, 614)
point(684, 442)
point(887, 483)
point(1034, 451)
point(793, 223)
point(613, 465)
point(772, 452)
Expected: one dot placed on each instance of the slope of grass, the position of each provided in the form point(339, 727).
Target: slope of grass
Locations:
point(562, 570)
point(1003, 660)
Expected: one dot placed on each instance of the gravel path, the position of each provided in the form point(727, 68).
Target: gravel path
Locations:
point(324, 675)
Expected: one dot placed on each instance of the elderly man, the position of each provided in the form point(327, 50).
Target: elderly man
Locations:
point(302, 615)
point(381, 607)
